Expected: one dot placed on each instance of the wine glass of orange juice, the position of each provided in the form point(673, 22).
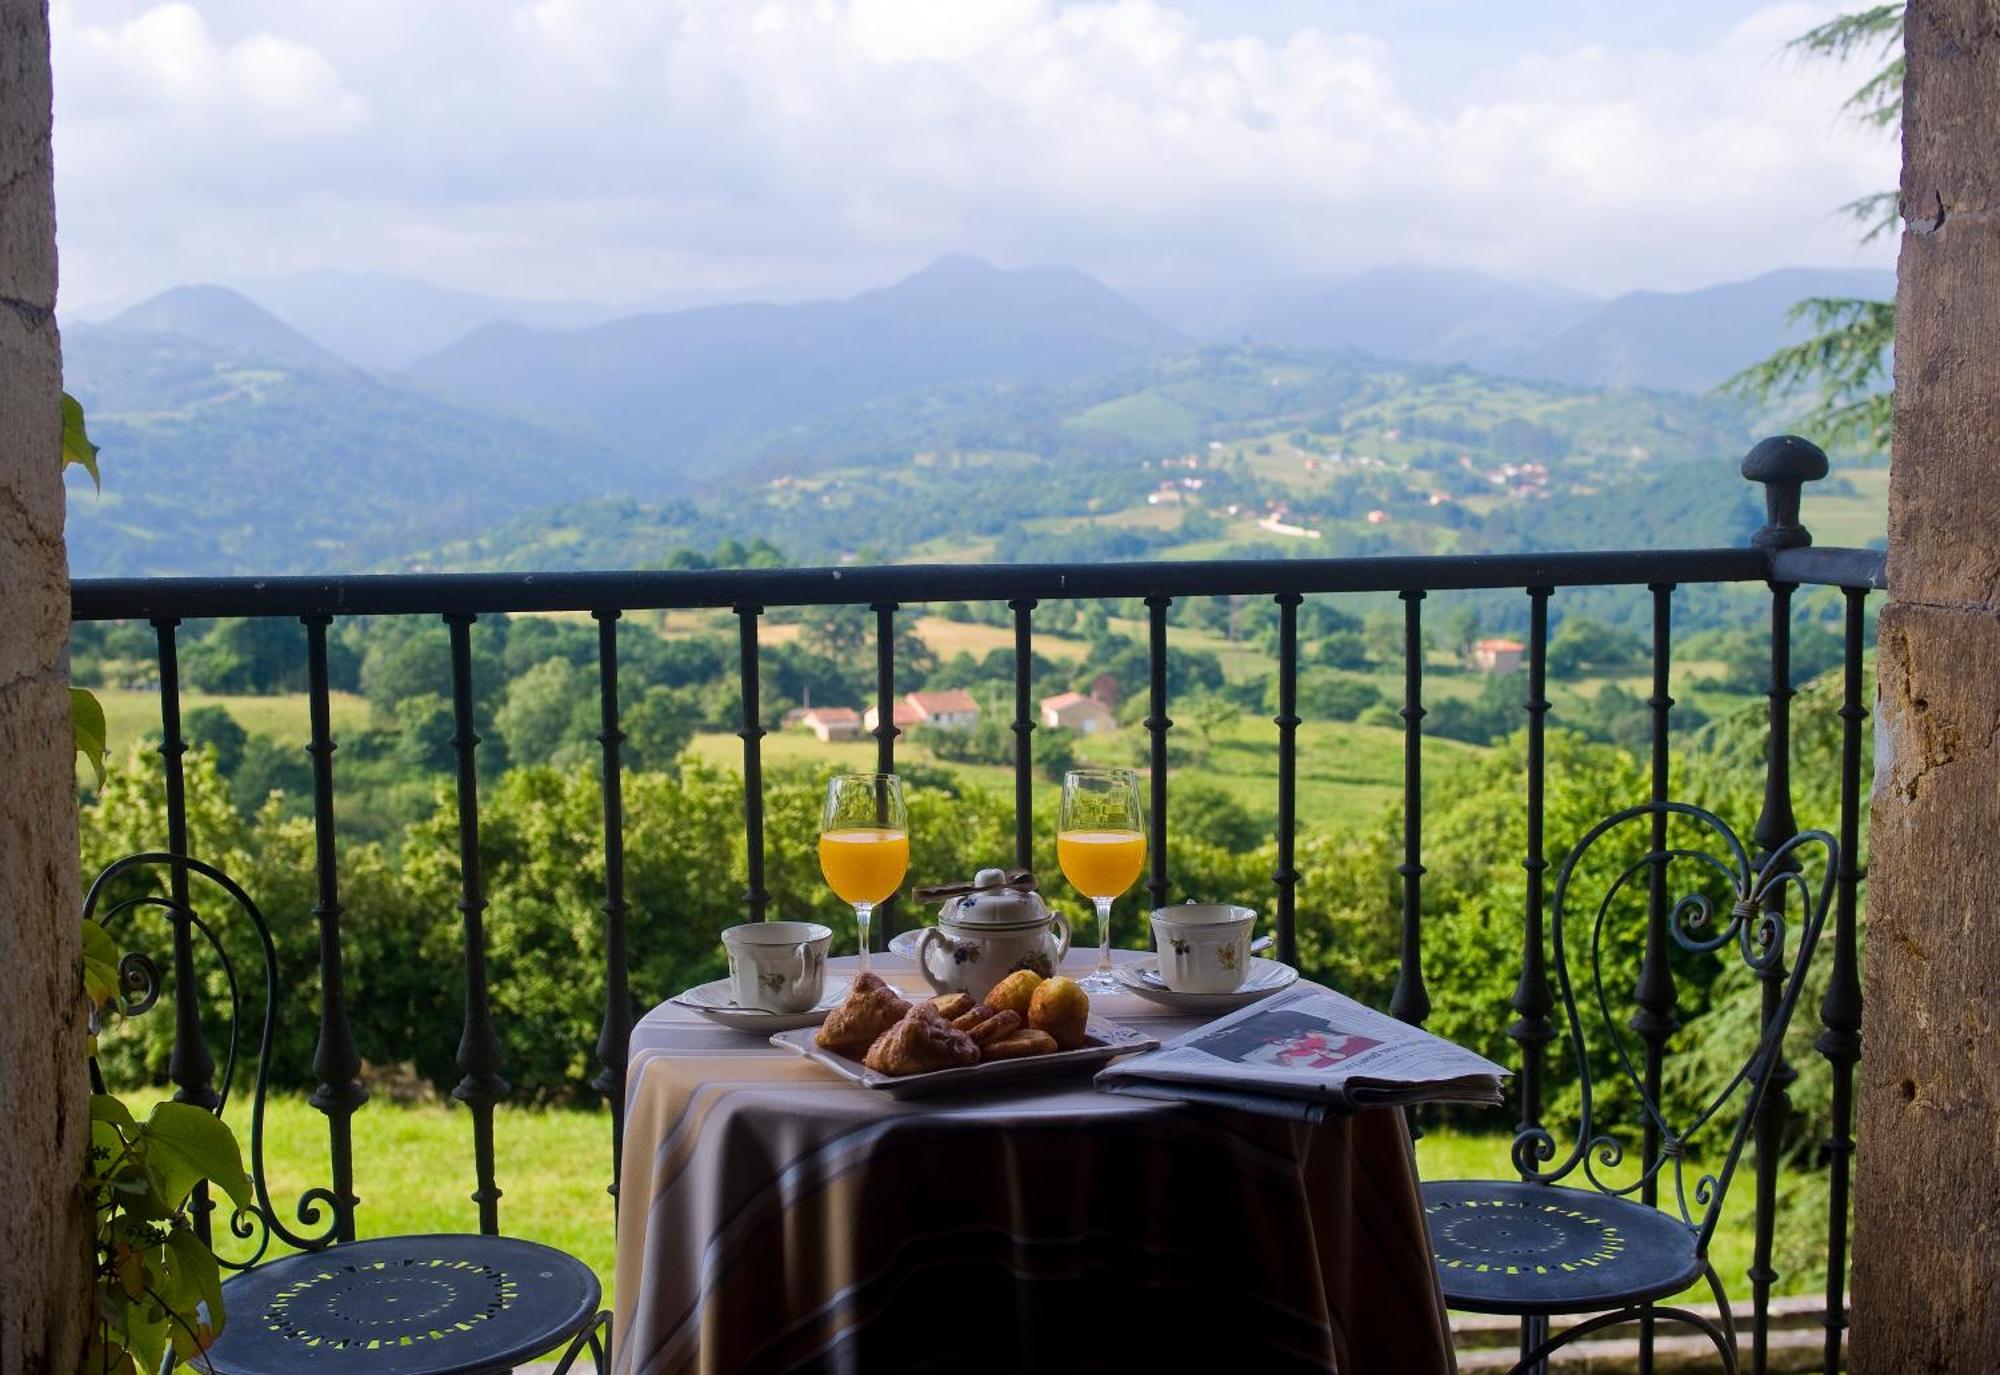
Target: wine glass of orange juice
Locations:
point(1102, 847)
point(864, 842)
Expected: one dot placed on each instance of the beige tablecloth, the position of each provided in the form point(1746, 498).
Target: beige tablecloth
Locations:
point(773, 1217)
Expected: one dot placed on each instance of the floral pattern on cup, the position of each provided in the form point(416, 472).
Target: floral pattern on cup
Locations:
point(1209, 945)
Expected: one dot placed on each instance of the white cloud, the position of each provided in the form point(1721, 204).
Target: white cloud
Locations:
point(621, 147)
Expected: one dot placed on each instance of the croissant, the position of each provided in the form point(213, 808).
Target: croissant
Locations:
point(870, 1008)
point(920, 1043)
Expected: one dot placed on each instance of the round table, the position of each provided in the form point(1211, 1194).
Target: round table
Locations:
point(775, 1217)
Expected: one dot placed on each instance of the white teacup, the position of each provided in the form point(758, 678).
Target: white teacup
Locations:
point(779, 966)
point(1204, 946)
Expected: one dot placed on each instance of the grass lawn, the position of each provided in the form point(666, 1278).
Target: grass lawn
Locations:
point(130, 713)
point(413, 1166)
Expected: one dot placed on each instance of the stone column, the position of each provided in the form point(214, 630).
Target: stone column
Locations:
point(44, 1230)
point(1927, 1232)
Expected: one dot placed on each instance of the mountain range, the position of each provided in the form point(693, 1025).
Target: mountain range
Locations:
point(237, 441)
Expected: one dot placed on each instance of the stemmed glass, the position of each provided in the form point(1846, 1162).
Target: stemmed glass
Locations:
point(1101, 846)
point(864, 842)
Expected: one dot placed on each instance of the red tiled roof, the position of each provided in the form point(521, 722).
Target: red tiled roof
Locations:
point(943, 703)
point(1498, 644)
point(1065, 699)
point(831, 715)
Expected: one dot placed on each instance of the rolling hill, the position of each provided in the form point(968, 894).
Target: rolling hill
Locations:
point(232, 444)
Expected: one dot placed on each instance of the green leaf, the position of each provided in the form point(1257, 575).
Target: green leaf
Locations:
point(184, 1144)
point(106, 1108)
point(86, 716)
point(76, 445)
point(194, 1278)
point(100, 982)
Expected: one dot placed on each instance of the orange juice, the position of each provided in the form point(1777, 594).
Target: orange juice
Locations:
point(864, 863)
point(1101, 864)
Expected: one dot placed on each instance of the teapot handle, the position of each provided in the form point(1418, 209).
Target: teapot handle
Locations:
point(1062, 937)
point(932, 935)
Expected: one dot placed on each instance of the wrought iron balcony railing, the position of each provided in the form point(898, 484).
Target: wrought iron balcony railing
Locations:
point(1780, 557)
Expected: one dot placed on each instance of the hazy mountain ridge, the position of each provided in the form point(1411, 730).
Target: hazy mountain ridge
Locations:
point(682, 386)
point(1676, 340)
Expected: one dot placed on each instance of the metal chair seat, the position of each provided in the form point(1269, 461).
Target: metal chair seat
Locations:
point(412, 1305)
point(1509, 1247)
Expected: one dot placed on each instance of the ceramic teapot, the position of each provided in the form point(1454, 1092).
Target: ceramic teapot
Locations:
point(986, 930)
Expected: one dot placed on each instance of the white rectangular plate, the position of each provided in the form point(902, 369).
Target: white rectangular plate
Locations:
point(1107, 1040)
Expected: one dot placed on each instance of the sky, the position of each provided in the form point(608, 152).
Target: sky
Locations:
point(646, 150)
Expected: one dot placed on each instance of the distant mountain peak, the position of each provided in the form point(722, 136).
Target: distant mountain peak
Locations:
point(227, 321)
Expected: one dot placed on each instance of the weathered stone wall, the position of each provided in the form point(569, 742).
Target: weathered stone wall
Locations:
point(1927, 1239)
point(43, 1112)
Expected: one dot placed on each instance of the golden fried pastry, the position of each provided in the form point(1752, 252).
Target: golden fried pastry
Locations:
point(870, 1008)
point(952, 1005)
point(1018, 1044)
point(968, 1020)
point(920, 1043)
point(1014, 993)
point(1060, 1008)
point(994, 1027)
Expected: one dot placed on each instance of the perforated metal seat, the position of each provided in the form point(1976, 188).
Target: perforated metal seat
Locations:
point(1539, 1248)
point(412, 1305)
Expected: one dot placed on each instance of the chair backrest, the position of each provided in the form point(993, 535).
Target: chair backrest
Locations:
point(161, 886)
point(1727, 908)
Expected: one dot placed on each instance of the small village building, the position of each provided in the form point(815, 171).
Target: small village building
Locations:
point(832, 723)
point(953, 709)
point(1497, 655)
point(1074, 711)
point(1106, 688)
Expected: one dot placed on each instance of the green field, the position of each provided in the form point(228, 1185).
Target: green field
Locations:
point(413, 1173)
point(1849, 521)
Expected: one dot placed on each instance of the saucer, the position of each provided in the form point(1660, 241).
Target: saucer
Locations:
point(715, 1002)
point(1142, 976)
point(904, 943)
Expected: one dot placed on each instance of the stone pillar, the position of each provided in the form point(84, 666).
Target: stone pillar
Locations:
point(1927, 1233)
point(44, 1230)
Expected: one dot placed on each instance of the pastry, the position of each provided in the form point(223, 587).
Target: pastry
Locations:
point(919, 1044)
point(870, 1008)
point(1013, 993)
point(994, 1027)
point(951, 1005)
point(969, 1020)
point(1062, 1009)
point(1018, 1044)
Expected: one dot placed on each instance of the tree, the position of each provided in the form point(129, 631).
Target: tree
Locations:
point(1846, 358)
point(1461, 629)
point(549, 707)
point(214, 729)
point(1581, 643)
point(423, 733)
point(658, 727)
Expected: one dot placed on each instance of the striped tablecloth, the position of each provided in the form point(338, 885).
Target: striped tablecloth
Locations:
point(773, 1217)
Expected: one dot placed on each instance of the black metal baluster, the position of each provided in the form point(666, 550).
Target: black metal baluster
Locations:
point(336, 1061)
point(1840, 1008)
point(478, 1045)
point(1024, 729)
point(1411, 1001)
point(1286, 875)
point(1775, 825)
point(1656, 1018)
point(189, 1065)
point(886, 732)
point(754, 896)
point(1158, 723)
point(614, 1037)
point(1533, 1001)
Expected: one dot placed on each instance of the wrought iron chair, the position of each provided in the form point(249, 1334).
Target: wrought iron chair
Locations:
point(1537, 1247)
point(446, 1304)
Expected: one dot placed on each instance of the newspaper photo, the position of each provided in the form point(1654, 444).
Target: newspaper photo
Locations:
point(1305, 1054)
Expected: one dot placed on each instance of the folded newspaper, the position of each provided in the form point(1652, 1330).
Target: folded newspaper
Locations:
point(1307, 1054)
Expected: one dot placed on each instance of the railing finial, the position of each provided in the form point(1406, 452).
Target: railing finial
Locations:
point(1784, 463)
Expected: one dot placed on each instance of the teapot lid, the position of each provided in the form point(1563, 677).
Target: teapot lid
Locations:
point(993, 898)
